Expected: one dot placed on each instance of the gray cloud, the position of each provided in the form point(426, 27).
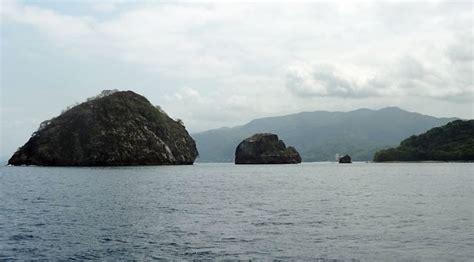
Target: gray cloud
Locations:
point(325, 80)
point(204, 64)
point(445, 75)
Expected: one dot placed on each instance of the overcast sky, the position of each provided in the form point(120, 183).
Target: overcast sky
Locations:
point(223, 64)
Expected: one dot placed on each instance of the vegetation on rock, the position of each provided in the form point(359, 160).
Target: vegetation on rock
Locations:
point(113, 128)
point(265, 149)
point(320, 135)
point(452, 142)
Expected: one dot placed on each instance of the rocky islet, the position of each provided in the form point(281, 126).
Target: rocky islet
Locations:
point(113, 129)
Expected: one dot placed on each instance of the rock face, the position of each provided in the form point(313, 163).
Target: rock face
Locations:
point(114, 128)
point(345, 160)
point(265, 149)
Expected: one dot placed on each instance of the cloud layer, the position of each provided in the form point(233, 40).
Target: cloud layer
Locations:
point(447, 74)
point(222, 64)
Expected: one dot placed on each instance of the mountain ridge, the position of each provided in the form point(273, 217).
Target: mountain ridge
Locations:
point(319, 135)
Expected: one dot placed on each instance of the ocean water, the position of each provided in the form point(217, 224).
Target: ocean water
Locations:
point(321, 211)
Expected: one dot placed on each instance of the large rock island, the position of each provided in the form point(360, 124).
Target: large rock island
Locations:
point(451, 142)
point(114, 128)
point(265, 149)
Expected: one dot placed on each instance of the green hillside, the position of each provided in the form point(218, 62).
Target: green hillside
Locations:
point(319, 135)
point(452, 142)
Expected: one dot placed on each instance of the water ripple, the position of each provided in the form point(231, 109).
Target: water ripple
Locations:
point(316, 212)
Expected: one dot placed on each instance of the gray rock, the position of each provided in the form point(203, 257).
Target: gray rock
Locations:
point(345, 160)
point(119, 128)
point(265, 149)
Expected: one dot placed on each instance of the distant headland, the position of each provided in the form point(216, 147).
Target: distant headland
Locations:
point(451, 142)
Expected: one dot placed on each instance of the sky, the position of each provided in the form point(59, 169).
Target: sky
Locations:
point(215, 64)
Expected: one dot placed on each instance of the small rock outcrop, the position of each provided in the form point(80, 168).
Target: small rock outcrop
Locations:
point(346, 159)
point(113, 129)
point(265, 149)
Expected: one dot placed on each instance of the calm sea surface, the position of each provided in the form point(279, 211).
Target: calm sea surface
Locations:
point(325, 211)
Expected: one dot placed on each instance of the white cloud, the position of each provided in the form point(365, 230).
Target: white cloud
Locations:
point(442, 74)
point(307, 80)
point(105, 6)
point(238, 59)
point(62, 28)
point(213, 109)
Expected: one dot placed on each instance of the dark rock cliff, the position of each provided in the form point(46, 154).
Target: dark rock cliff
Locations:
point(265, 149)
point(116, 128)
point(346, 159)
